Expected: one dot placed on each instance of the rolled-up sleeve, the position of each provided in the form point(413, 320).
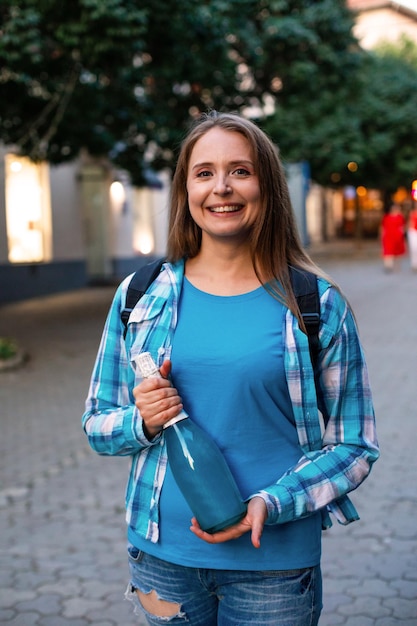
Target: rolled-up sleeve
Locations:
point(338, 459)
point(111, 421)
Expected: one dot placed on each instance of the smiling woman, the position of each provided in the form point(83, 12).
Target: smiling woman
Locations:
point(222, 324)
point(222, 180)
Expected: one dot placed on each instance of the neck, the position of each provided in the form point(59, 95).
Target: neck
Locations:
point(224, 271)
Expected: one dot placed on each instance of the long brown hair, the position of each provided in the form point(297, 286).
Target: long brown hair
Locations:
point(275, 242)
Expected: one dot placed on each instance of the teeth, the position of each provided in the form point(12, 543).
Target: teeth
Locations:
point(225, 209)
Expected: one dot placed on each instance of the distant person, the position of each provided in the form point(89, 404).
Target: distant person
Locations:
point(393, 237)
point(223, 325)
point(412, 237)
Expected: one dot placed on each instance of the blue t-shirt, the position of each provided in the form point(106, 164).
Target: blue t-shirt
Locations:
point(228, 366)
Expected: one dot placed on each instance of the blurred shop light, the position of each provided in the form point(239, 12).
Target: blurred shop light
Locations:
point(118, 197)
point(117, 193)
point(28, 210)
point(144, 242)
point(400, 195)
point(15, 167)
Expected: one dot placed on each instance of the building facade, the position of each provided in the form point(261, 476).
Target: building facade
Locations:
point(379, 20)
point(83, 223)
point(74, 225)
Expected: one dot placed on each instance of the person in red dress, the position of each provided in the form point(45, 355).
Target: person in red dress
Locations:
point(393, 237)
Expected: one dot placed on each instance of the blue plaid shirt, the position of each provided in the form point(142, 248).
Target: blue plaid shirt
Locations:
point(335, 460)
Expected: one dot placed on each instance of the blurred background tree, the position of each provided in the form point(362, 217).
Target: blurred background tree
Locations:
point(387, 113)
point(118, 78)
point(123, 79)
point(66, 75)
point(318, 64)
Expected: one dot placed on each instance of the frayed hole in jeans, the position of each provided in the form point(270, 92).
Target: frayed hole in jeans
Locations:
point(151, 603)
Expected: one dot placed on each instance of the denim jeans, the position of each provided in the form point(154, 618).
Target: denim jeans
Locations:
point(209, 597)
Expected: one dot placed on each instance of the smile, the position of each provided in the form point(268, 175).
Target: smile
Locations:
point(226, 209)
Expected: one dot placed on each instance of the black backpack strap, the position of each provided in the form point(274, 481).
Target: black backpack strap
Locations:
point(306, 291)
point(138, 285)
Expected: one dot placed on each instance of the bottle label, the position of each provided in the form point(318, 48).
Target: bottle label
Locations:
point(182, 416)
point(146, 366)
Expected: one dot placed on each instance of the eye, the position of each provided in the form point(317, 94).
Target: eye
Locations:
point(241, 171)
point(204, 174)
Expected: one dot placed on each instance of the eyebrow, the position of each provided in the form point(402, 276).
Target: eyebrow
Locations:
point(232, 163)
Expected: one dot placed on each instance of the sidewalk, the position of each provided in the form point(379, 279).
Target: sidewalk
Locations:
point(62, 540)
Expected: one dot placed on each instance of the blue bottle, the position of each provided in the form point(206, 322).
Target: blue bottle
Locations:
point(198, 467)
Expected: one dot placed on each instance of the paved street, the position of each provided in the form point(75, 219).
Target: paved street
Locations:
point(62, 538)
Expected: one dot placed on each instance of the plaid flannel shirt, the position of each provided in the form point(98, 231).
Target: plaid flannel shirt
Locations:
point(335, 459)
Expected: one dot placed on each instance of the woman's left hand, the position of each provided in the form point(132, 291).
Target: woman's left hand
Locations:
point(253, 521)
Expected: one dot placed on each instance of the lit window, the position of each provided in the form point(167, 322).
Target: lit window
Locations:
point(28, 210)
point(143, 228)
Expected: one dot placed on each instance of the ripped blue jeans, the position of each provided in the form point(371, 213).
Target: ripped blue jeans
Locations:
point(172, 594)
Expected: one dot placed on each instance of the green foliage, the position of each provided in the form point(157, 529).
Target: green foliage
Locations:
point(404, 49)
point(63, 74)
point(387, 114)
point(367, 116)
point(123, 79)
point(315, 118)
point(8, 348)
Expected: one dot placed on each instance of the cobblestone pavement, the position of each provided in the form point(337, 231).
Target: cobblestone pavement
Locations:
point(62, 539)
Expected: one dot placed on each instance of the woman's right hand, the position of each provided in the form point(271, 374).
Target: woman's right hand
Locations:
point(253, 521)
point(157, 401)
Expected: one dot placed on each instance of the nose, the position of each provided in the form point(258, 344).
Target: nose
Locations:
point(222, 188)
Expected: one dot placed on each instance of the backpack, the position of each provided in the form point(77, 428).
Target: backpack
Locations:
point(303, 282)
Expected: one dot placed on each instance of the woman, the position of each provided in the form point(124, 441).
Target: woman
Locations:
point(222, 322)
point(393, 237)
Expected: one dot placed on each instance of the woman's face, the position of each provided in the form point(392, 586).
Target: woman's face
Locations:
point(222, 185)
